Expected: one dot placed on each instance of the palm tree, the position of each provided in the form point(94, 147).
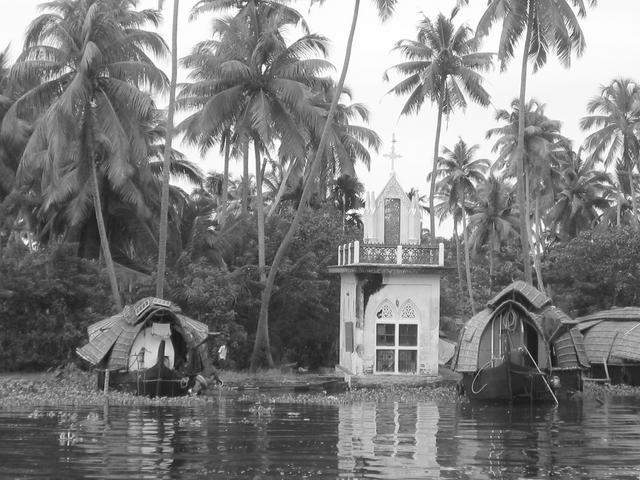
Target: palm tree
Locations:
point(261, 85)
point(459, 173)
point(581, 198)
point(548, 26)
point(542, 140)
point(346, 195)
point(443, 65)
point(250, 8)
point(166, 167)
point(84, 66)
point(620, 211)
point(615, 113)
point(385, 8)
point(449, 207)
point(493, 222)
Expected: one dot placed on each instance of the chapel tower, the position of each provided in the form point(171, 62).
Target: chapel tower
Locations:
point(390, 289)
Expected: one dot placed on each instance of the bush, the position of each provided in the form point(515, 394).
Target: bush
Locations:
point(48, 298)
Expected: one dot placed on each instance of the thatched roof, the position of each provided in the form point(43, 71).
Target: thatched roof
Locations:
point(523, 293)
point(530, 302)
point(570, 350)
point(110, 339)
point(612, 336)
point(623, 313)
point(467, 356)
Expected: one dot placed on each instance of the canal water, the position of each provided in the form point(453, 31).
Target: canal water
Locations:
point(581, 439)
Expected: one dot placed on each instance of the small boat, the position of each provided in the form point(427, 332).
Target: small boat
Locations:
point(149, 348)
point(506, 352)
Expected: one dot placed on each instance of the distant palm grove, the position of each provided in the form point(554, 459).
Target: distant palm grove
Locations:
point(89, 221)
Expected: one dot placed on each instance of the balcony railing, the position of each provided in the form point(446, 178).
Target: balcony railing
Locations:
point(367, 253)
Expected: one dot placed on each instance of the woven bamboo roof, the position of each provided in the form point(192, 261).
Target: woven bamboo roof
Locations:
point(531, 303)
point(570, 351)
point(613, 341)
point(623, 313)
point(110, 339)
point(467, 358)
point(530, 294)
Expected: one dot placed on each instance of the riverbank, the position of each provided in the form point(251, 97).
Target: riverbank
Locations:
point(72, 386)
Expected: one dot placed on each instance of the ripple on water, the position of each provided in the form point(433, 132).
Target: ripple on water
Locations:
point(582, 439)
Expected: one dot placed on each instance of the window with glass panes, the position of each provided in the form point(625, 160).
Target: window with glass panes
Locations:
point(396, 339)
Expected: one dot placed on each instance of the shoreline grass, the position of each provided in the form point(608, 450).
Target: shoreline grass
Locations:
point(74, 387)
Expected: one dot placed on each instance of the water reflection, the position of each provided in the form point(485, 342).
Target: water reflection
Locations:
point(230, 439)
point(388, 440)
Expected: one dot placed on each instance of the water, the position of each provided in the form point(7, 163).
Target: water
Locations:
point(581, 439)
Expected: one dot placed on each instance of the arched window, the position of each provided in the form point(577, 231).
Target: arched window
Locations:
point(385, 311)
point(408, 310)
point(396, 338)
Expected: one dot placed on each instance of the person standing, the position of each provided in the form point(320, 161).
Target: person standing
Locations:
point(222, 355)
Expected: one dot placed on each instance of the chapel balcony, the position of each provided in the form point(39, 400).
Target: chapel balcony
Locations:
point(356, 253)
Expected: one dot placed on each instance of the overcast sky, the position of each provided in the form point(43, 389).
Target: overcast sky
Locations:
point(613, 50)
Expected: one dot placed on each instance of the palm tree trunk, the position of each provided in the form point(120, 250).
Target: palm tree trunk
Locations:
point(619, 210)
point(520, 180)
point(467, 260)
point(432, 191)
point(97, 206)
point(260, 215)
point(222, 208)
point(261, 349)
point(491, 268)
point(245, 177)
point(281, 188)
point(106, 251)
point(344, 209)
point(538, 252)
point(166, 164)
point(527, 196)
point(634, 207)
point(456, 239)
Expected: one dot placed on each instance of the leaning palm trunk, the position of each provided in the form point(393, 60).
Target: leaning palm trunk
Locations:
point(261, 346)
point(260, 214)
point(467, 260)
point(432, 191)
point(166, 164)
point(520, 180)
point(97, 207)
point(281, 188)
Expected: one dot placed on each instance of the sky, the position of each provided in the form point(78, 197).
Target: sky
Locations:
point(613, 51)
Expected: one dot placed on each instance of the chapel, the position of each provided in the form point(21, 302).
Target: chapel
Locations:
point(390, 290)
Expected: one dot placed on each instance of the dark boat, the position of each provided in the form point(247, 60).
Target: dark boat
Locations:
point(506, 352)
point(149, 348)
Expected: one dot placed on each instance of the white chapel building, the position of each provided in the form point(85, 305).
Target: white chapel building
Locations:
point(390, 290)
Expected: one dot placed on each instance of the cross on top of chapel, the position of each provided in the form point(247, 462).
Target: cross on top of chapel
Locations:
point(393, 155)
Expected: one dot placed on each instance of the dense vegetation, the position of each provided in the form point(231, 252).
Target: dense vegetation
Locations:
point(84, 150)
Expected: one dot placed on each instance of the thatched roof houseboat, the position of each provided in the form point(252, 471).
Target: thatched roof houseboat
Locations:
point(612, 344)
point(504, 352)
point(150, 348)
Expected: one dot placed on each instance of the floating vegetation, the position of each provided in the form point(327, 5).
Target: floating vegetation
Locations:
point(73, 387)
point(189, 422)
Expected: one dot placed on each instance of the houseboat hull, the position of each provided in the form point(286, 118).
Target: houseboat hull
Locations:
point(157, 381)
point(507, 382)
